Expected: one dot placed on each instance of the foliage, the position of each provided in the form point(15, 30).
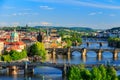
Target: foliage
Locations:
point(114, 42)
point(14, 55)
point(6, 58)
point(96, 73)
point(38, 49)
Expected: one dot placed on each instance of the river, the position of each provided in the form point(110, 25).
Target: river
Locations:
point(48, 73)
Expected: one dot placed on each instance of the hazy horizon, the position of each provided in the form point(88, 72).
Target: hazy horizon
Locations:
point(102, 14)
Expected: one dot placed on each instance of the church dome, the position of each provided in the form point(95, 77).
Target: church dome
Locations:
point(14, 36)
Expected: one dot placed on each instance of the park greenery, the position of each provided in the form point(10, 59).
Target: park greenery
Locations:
point(115, 42)
point(38, 49)
point(13, 55)
point(96, 73)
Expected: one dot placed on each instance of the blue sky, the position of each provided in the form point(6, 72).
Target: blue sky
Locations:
point(98, 14)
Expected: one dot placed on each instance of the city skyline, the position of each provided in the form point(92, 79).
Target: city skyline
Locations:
point(102, 14)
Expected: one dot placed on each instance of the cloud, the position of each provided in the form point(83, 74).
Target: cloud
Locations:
point(100, 12)
point(8, 7)
point(112, 15)
point(46, 7)
point(46, 23)
point(24, 14)
point(110, 0)
point(27, 9)
point(3, 23)
point(95, 13)
point(96, 4)
point(39, 23)
point(15, 24)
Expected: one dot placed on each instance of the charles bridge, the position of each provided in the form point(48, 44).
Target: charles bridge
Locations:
point(83, 51)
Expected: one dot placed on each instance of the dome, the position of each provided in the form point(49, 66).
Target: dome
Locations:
point(14, 36)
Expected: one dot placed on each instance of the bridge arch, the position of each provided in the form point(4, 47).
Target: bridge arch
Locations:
point(107, 54)
point(91, 54)
point(47, 70)
point(76, 53)
point(118, 54)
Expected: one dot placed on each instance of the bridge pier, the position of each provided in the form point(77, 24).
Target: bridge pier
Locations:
point(100, 44)
point(88, 44)
point(115, 54)
point(54, 53)
point(28, 70)
point(68, 54)
point(99, 54)
point(64, 72)
point(83, 58)
point(84, 51)
point(12, 70)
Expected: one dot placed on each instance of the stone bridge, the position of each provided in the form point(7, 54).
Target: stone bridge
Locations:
point(95, 42)
point(83, 51)
point(29, 67)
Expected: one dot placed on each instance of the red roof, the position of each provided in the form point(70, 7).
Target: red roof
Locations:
point(13, 48)
point(17, 43)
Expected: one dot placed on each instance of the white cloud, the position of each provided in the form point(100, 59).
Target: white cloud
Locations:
point(95, 13)
point(112, 15)
point(8, 7)
point(27, 9)
point(39, 23)
point(24, 14)
point(46, 7)
point(3, 23)
point(14, 14)
point(15, 24)
point(110, 0)
point(46, 23)
point(81, 3)
point(100, 12)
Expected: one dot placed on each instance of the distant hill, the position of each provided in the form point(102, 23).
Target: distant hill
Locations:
point(115, 29)
point(80, 29)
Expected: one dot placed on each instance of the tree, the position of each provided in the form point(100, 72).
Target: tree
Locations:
point(103, 72)
point(6, 58)
point(111, 73)
point(97, 73)
point(38, 49)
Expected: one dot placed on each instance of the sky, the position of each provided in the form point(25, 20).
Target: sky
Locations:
point(97, 14)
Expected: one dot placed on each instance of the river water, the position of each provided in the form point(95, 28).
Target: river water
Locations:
point(48, 73)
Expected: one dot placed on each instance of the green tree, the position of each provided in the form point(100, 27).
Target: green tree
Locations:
point(6, 58)
point(96, 74)
point(111, 73)
point(103, 72)
point(38, 49)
